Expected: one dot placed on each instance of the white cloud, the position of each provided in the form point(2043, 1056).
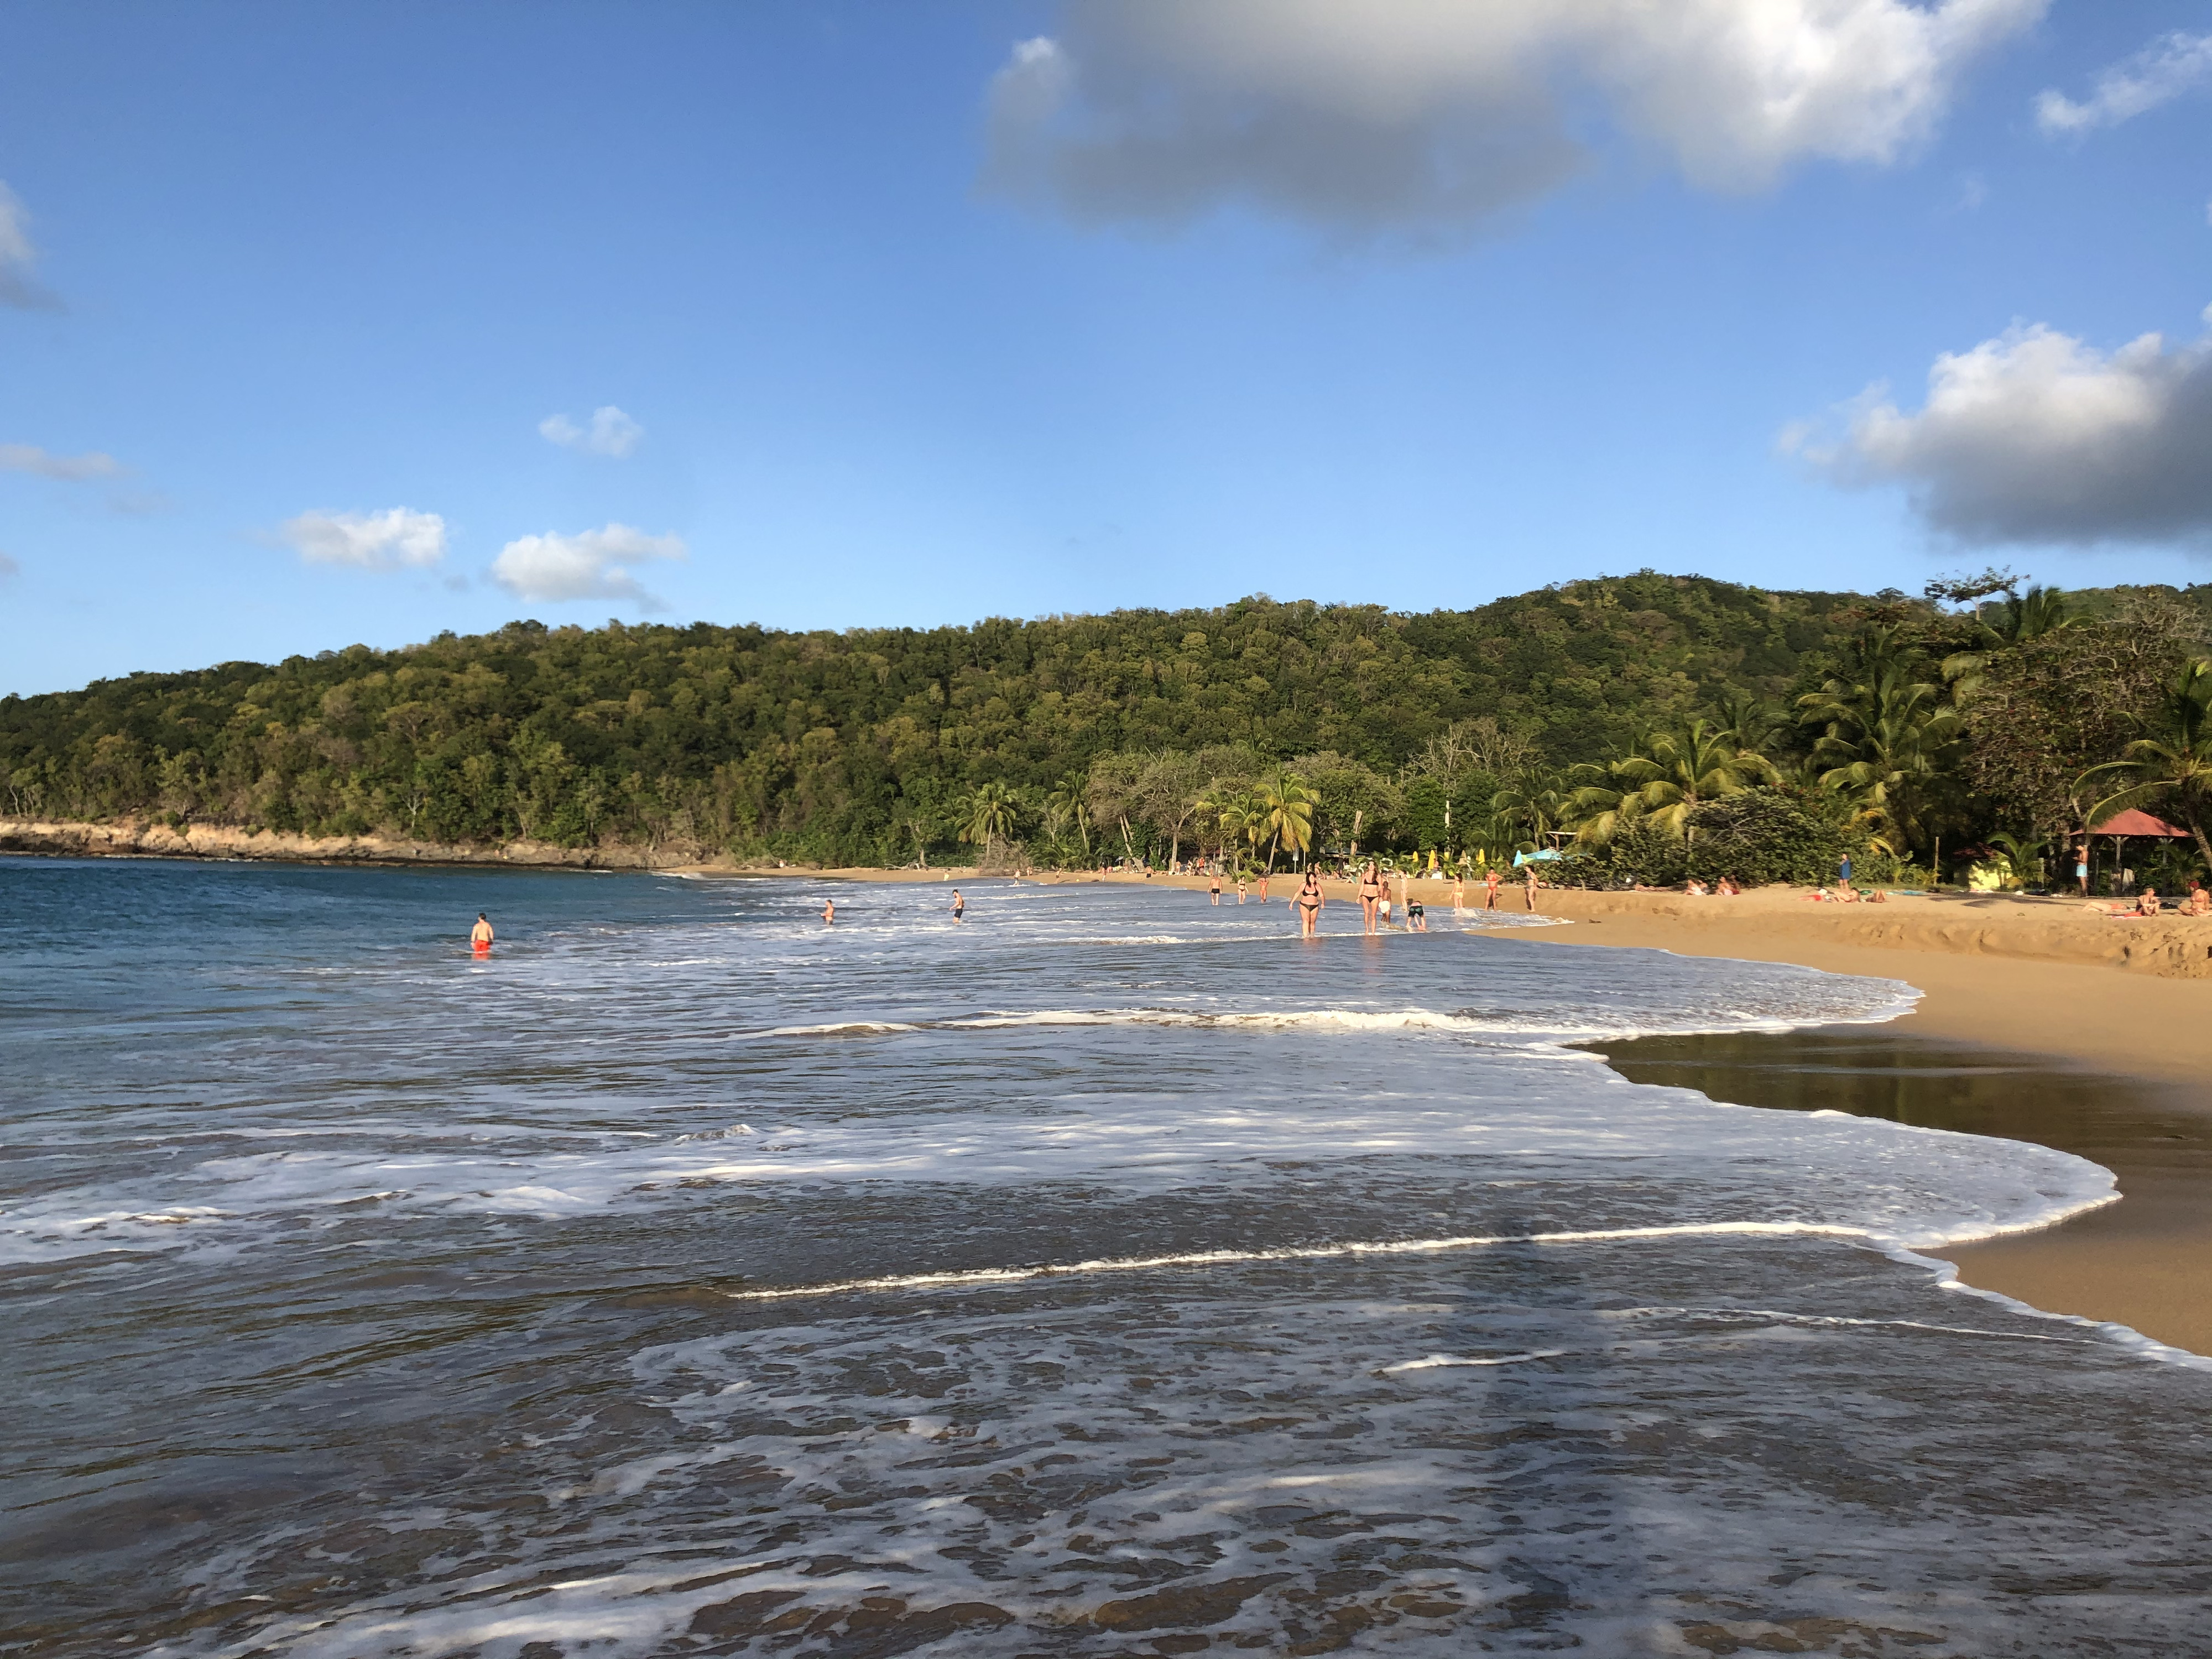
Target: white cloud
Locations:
point(71, 469)
point(594, 565)
point(610, 433)
point(2035, 436)
point(1432, 115)
point(398, 538)
point(17, 256)
point(2168, 67)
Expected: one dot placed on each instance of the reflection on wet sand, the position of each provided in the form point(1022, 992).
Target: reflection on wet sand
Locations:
point(2145, 1262)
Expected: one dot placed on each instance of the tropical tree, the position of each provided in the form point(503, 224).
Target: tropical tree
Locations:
point(1886, 740)
point(1531, 807)
point(1115, 793)
point(2172, 763)
point(1664, 780)
point(1238, 819)
point(1286, 808)
point(1067, 804)
point(1168, 791)
point(988, 815)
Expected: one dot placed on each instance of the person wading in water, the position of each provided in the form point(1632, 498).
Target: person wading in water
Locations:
point(480, 935)
point(1371, 894)
point(1309, 904)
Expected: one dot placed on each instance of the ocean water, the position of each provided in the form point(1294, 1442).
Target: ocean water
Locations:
point(1106, 1273)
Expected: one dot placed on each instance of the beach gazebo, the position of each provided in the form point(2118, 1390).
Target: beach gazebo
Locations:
point(2121, 826)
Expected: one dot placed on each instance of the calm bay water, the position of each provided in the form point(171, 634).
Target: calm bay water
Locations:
point(1106, 1273)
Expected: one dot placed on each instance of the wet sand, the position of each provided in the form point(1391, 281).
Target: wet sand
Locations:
point(2145, 1262)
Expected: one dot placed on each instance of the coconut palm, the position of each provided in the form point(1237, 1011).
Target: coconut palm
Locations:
point(988, 815)
point(1068, 804)
point(1885, 739)
point(2172, 763)
point(1530, 808)
point(2015, 620)
point(1665, 779)
point(1286, 807)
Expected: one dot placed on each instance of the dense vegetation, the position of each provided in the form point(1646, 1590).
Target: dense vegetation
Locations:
point(1626, 706)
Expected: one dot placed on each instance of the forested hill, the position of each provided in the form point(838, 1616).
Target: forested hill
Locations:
point(838, 746)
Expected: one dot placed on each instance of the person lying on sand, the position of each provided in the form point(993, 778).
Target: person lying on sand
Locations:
point(2148, 903)
point(1695, 888)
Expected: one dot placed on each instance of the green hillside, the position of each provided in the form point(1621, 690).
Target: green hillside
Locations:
point(865, 746)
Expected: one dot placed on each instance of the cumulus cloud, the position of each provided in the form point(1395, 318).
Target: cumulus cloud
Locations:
point(611, 432)
point(2168, 67)
point(2035, 436)
point(17, 256)
point(71, 469)
point(1430, 115)
point(594, 565)
point(398, 538)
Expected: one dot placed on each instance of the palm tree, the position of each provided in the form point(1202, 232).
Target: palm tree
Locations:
point(1286, 812)
point(2015, 620)
point(1537, 802)
point(1067, 804)
point(1238, 818)
point(988, 815)
point(2173, 760)
point(1665, 780)
point(1884, 741)
point(2023, 854)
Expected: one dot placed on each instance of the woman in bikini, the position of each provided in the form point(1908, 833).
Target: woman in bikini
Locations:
point(1309, 904)
point(1371, 894)
point(1490, 882)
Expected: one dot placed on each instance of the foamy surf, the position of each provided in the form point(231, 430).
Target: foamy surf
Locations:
point(694, 1277)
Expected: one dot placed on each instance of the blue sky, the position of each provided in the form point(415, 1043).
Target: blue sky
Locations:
point(905, 321)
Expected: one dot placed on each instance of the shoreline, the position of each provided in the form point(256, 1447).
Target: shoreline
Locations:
point(2038, 984)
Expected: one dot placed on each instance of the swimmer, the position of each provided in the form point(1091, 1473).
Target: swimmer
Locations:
point(959, 904)
point(1310, 902)
point(480, 936)
point(829, 910)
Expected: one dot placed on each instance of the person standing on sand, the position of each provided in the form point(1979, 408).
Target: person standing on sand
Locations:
point(2082, 866)
point(1214, 887)
point(480, 936)
point(1310, 902)
point(1371, 894)
point(959, 904)
point(1490, 882)
point(1843, 870)
point(1531, 889)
